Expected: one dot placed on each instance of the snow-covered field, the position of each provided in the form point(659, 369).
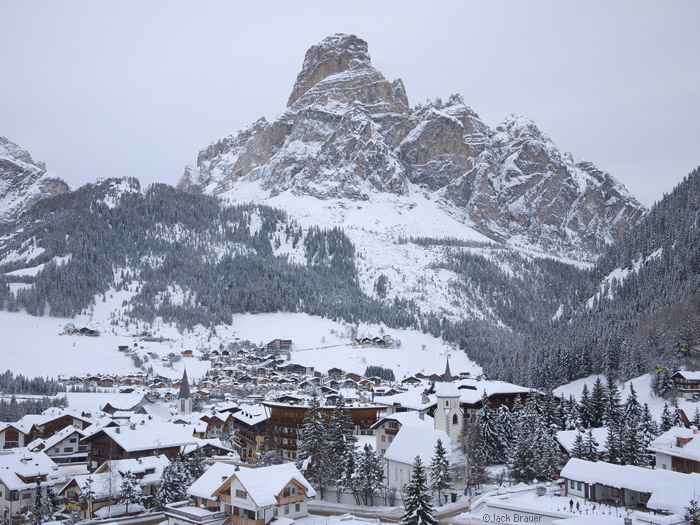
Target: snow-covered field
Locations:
point(33, 345)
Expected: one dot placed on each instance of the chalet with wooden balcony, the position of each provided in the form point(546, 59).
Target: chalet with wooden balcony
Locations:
point(247, 496)
point(20, 470)
point(687, 383)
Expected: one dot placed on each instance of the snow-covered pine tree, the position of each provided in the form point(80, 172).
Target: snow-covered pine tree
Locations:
point(347, 482)
point(50, 504)
point(676, 415)
point(551, 411)
point(5, 518)
point(38, 508)
point(586, 408)
point(578, 451)
point(173, 484)
point(194, 464)
point(441, 479)
point(506, 425)
point(613, 411)
point(572, 416)
point(87, 496)
point(613, 443)
point(524, 460)
point(696, 418)
point(368, 475)
point(417, 507)
point(341, 440)
point(590, 448)
point(632, 410)
point(692, 513)
point(130, 491)
point(633, 448)
point(472, 456)
point(666, 419)
point(491, 435)
point(312, 453)
point(597, 404)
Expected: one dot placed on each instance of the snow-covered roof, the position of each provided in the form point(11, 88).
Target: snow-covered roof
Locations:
point(412, 399)
point(690, 375)
point(447, 390)
point(670, 491)
point(410, 418)
point(263, 484)
point(666, 443)
point(104, 485)
point(472, 390)
point(22, 462)
point(566, 438)
point(211, 480)
point(138, 466)
point(152, 436)
point(410, 442)
point(251, 414)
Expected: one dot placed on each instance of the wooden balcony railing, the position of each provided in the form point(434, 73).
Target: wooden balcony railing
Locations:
point(240, 520)
point(296, 498)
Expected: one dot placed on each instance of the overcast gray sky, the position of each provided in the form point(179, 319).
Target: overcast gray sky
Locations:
point(100, 89)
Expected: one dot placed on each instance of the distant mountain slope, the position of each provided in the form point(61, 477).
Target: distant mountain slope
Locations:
point(23, 181)
point(347, 132)
point(638, 307)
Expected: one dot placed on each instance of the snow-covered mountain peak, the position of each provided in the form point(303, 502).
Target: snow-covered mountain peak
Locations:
point(348, 133)
point(23, 182)
point(335, 54)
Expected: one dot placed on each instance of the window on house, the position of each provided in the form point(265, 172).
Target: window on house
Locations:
point(73, 440)
point(393, 424)
point(275, 512)
point(68, 449)
point(383, 438)
point(578, 486)
point(286, 492)
point(447, 402)
point(391, 438)
point(286, 509)
point(297, 507)
point(572, 484)
point(241, 494)
point(454, 419)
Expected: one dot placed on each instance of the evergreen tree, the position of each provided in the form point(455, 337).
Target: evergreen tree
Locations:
point(612, 412)
point(348, 480)
point(632, 410)
point(578, 451)
point(38, 508)
point(586, 408)
point(5, 518)
point(666, 419)
point(87, 496)
point(633, 446)
point(194, 465)
point(696, 419)
point(341, 439)
point(613, 443)
point(417, 507)
point(676, 415)
point(692, 513)
point(598, 404)
point(312, 456)
point(534, 452)
point(440, 471)
point(492, 437)
point(130, 491)
point(472, 457)
point(173, 485)
point(368, 475)
point(572, 415)
point(590, 447)
point(506, 426)
point(50, 504)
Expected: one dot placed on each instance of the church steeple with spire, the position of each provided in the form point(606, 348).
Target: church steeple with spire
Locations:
point(184, 400)
point(447, 376)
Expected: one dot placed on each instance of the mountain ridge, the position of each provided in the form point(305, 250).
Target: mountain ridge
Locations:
point(348, 132)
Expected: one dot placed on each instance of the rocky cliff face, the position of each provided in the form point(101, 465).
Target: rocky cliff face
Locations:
point(348, 132)
point(23, 181)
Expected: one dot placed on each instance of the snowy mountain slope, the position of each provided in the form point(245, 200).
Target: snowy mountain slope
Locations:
point(349, 133)
point(23, 181)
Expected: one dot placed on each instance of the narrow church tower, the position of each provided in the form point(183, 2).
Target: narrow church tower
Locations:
point(184, 400)
point(448, 413)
